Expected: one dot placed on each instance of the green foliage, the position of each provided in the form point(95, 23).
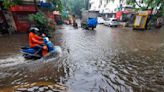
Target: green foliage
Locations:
point(38, 18)
point(145, 4)
point(58, 5)
point(40, 21)
point(64, 14)
point(8, 3)
point(149, 4)
point(17, 2)
point(75, 6)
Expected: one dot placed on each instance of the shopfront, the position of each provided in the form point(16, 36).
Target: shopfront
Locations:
point(21, 14)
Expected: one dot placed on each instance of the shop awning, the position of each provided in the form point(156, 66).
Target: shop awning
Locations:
point(56, 13)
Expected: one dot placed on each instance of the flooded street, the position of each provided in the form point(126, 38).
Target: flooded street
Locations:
point(103, 60)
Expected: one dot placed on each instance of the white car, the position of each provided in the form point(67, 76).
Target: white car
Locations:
point(111, 22)
point(100, 20)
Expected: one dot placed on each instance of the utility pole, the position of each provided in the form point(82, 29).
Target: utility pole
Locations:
point(65, 4)
point(35, 5)
point(87, 4)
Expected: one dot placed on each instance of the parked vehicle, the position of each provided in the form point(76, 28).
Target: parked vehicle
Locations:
point(100, 20)
point(31, 53)
point(111, 22)
point(89, 19)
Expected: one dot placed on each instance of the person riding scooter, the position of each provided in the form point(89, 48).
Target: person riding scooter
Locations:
point(36, 41)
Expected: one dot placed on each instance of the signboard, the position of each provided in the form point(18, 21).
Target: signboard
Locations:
point(143, 12)
point(20, 14)
point(19, 8)
point(138, 20)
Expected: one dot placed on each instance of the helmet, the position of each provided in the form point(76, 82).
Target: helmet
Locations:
point(34, 29)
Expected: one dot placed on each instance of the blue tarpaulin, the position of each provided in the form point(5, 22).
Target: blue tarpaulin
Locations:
point(92, 22)
point(46, 5)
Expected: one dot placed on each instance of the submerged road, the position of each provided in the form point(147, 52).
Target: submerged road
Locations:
point(103, 60)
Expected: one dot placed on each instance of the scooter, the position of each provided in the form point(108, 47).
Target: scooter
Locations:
point(31, 53)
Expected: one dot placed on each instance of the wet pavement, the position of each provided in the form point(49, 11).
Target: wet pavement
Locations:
point(103, 60)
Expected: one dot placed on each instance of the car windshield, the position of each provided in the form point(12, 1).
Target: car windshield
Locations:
point(114, 20)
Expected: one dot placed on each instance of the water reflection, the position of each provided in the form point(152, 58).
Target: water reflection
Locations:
point(110, 60)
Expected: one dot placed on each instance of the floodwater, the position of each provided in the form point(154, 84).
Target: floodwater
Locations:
point(103, 60)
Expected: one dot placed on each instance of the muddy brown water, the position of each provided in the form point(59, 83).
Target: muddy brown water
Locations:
point(104, 60)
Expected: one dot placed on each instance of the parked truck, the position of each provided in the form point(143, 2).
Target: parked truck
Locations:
point(89, 19)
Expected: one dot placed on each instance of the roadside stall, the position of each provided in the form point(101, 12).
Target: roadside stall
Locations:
point(20, 15)
point(122, 15)
point(57, 17)
point(141, 20)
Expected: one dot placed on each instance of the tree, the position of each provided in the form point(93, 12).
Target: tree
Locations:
point(157, 5)
point(40, 21)
point(146, 4)
point(8, 3)
point(57, 5)
point(75, 6)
